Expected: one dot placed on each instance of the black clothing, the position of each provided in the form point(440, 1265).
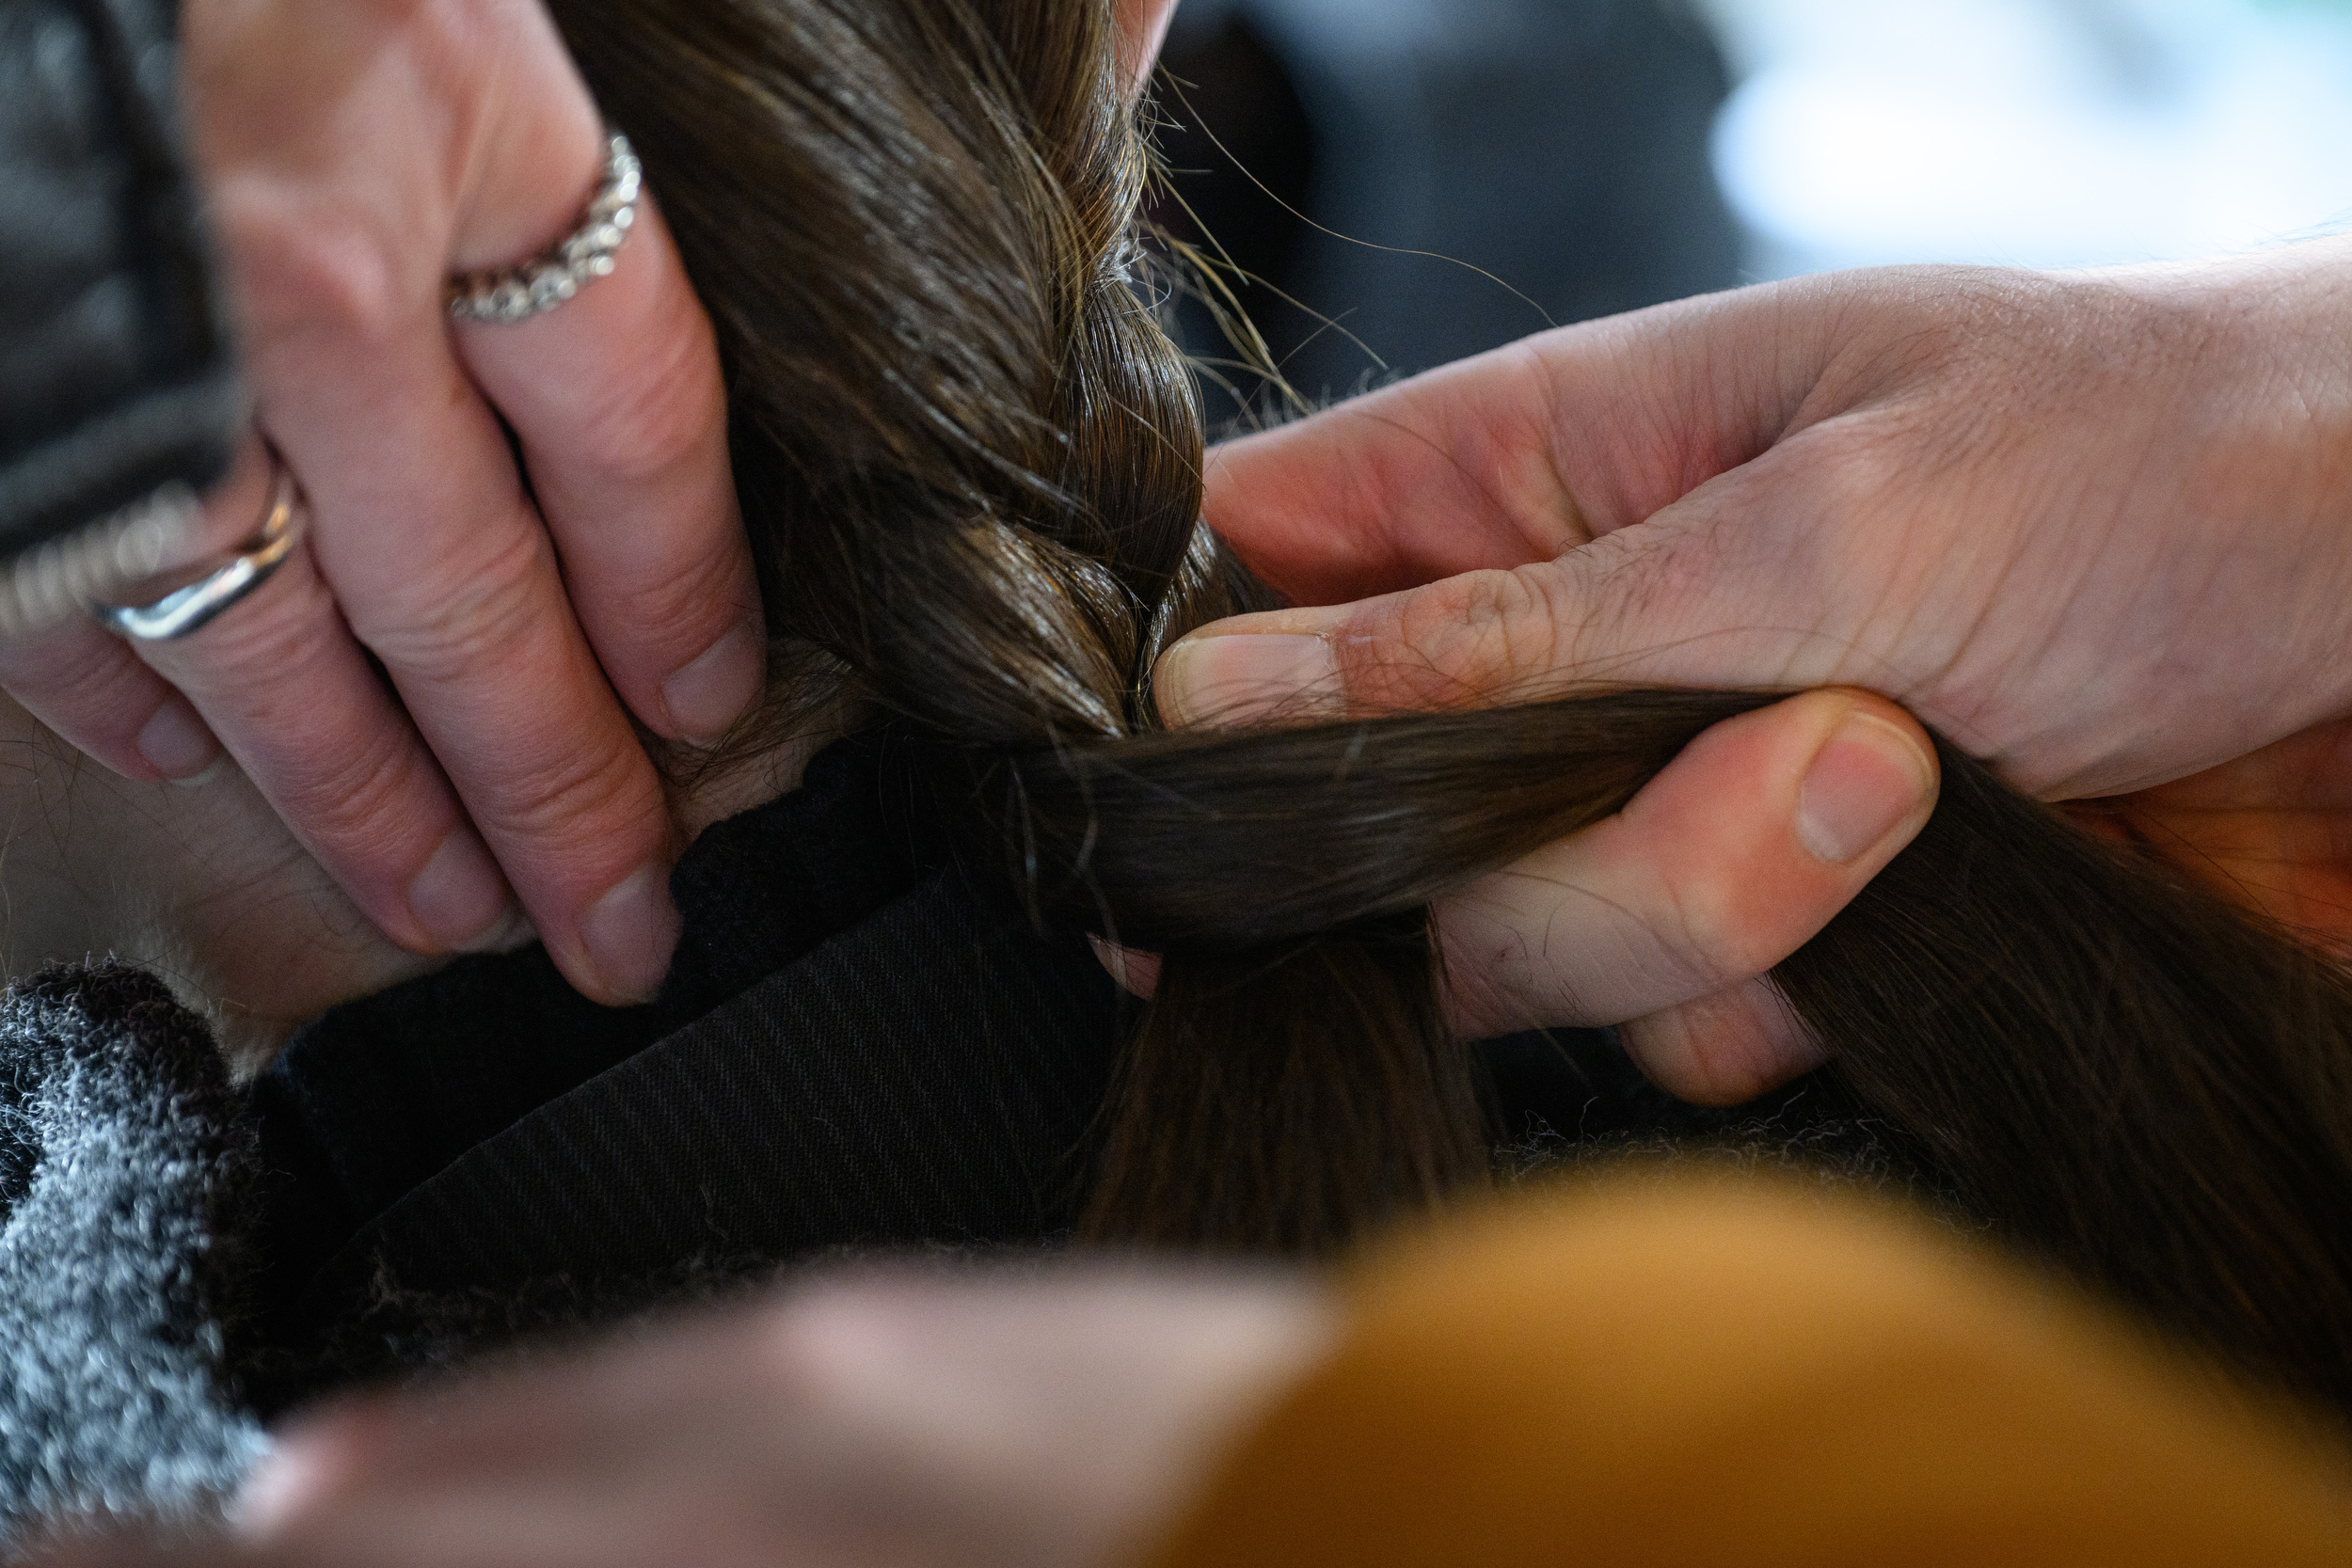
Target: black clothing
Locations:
point(857, 1047)
point(116, 376)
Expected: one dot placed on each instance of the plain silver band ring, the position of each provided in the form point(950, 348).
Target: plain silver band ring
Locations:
point(185, 610)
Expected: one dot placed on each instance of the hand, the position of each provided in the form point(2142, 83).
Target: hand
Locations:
point(203, 887)
point(352, 155)
point(2093, 527)
point(1033, 1423)
point(2271, 830)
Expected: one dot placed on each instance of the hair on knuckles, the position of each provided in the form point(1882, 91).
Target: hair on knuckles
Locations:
point(971, 463)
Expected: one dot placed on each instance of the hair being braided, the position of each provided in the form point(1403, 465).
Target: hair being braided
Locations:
point(971, 462)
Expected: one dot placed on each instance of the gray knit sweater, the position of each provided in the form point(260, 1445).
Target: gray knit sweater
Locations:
point(121, 1155)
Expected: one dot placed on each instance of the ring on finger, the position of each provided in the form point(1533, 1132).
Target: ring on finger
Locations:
point(187, 609)
point(517, 294)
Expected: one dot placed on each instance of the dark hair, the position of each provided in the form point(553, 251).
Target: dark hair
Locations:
point(971, 462)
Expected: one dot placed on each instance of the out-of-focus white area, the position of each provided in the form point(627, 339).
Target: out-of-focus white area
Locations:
point(2040, 132)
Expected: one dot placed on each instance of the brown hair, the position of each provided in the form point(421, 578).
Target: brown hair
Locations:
point(972, 465)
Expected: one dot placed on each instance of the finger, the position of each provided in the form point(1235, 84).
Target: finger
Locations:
point(84, 683)
point(1704, 594)
point(1137, 972)
point(88, 686)
point(616, 399)
point(1731, 859)
point(1142, 29)
point(496, 1522)
point(438, 557)
point(1720, 1050)
point(1724, 1049)
point(1734, 856)
point(279, 680)
point(443, 570)
point(1519, 455)
point(597, 1412)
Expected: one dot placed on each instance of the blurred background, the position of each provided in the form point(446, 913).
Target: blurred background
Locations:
point(1574, 158)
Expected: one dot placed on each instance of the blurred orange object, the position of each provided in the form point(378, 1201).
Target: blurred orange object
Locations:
point(1686, 1372)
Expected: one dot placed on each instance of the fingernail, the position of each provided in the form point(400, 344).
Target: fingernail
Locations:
point(177, 744)
point(629, 934)
point(1246, 678)
point(710, 694)
point(1867, 779)
point(461, 898)
point(1137, 974)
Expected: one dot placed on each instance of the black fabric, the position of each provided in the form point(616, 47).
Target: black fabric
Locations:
point(381, 1094)
point(854, 1046)
point(923, 1078)
point(115, 374)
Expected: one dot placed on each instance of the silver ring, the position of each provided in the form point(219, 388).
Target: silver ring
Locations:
point(185, 610)
point(517, 294)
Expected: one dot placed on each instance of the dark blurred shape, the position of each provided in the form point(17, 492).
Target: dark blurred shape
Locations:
point(115, 369)
point(1560, 145)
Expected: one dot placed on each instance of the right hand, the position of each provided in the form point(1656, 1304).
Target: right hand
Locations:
point(2097, 529)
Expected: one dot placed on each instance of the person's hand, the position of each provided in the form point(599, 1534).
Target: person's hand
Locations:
point(2097, 529)
point(1050, 1422)
point(353, 156)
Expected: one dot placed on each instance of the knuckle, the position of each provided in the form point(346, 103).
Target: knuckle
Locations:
point(663, 412)
point(344, 773)
point(1479, 638)
point(98, 688)
point(1686, 919)
point(289, 623)
point(354, 795)
point(469, 620)
point(569, 792)
point(1717, 930)
point(306, 266)
point(677, 611)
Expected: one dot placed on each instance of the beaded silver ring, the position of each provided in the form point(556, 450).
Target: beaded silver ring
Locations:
point(509, 295)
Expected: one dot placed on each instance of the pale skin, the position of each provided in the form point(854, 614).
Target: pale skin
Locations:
point(282, 875)
point(352, 155)
point(958, 1421)
point(2095, 528)
point(2092, 442)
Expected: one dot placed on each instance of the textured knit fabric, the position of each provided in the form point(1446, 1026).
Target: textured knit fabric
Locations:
point(121, 1170)
point(1689, 1374)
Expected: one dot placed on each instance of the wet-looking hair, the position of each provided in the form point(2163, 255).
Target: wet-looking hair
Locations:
point(971, 464)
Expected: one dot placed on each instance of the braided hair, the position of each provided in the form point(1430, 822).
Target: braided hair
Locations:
point(971, 463)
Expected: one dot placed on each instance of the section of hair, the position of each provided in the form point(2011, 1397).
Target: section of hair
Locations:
point(971, 463)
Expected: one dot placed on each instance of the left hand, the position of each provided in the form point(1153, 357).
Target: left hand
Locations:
point(524, 535)
point(1023, 1422)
